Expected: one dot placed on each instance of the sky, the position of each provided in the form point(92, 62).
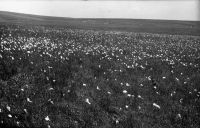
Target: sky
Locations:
point(132, 9)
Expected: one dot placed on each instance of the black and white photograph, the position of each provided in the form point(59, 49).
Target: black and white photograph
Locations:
point(99, 63)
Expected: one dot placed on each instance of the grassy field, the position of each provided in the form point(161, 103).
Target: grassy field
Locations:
point(57, 77)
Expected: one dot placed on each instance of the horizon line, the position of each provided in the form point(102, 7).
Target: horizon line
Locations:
point(96, 18)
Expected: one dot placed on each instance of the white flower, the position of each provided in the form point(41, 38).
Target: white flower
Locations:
point(25, 110)
point(129, 95)
point(17, 122)
point(156, 105)
point(47, 118)
point(51, 101)
point(109, 92)
point(117, 121)
point(149, 77)
point(8, 108)
point(87, 100)
point(98, 88)
point(179, 115)
point(140, 97)
point(51, 88)
point(29, 100)
point(124, 91)
point(127, 84)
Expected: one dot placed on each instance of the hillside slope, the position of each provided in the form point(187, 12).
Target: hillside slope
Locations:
point(133, 25)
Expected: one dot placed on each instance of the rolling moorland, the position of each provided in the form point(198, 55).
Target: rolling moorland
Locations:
point(131, 25)
point(98, 73)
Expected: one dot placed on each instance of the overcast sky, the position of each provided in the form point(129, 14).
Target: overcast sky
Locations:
point(140, 9)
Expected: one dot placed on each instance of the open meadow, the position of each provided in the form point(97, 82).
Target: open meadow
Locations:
point(57, 77)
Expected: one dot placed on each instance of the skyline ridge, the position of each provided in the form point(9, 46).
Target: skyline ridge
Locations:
point(19, 13)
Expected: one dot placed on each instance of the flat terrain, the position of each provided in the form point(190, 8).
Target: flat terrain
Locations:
point(131, 25)
point(53, 76)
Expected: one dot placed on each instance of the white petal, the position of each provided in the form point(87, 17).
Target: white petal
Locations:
point(47, 118)
point(29, 100)
point(124, 91)
point(8, 108)
point(156, 105)
point(87, 100)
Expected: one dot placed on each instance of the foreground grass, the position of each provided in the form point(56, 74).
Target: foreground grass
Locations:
point(53, 77)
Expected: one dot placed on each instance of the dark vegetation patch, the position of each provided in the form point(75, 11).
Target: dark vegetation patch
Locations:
point(128, 25)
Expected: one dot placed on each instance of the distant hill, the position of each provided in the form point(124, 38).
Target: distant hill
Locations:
point(132, 25)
